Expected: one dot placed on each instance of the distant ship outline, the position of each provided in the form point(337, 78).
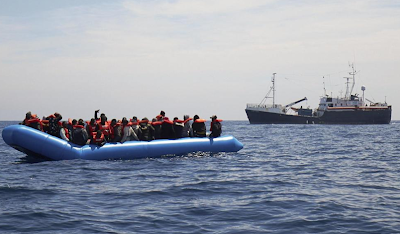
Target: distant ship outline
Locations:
point(350, 109)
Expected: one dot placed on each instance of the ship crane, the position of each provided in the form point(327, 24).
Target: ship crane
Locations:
point(294, 103)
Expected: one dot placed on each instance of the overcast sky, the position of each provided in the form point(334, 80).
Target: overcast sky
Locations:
point(191, 57)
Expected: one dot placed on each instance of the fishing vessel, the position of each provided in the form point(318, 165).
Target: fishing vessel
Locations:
point(350, 109)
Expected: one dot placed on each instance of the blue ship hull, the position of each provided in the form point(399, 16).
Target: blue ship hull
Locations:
point(37, 143)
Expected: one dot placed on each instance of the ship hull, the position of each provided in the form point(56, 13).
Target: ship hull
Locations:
point(264, 117)
point(347, 116)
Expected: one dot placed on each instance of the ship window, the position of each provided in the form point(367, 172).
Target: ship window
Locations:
point(329, 99)
point(330, 105)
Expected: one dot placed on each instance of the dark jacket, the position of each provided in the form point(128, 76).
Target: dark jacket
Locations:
point(178, 128)
point(199, 129)
point(79, 136)
point(167, 131)
point(147, 133)
point(216, 129)
point(54, 127)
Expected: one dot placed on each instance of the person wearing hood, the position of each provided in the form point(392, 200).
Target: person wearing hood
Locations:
point(187, 127)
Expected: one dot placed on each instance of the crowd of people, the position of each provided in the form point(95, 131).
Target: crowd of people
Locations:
point(99, 130)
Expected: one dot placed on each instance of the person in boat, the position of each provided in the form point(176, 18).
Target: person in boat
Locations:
point(101, 115)
point(147, 130)
point(157, 128)
point(31, 120)
point(178, 128)
point(187, 127)
point(167, 129)
point(161, 116)
point(79, 134)
point(127, 132)
point(199, 127)
point(98, 139)
point(70, 127)
point(135, 126)
point(104, 127)
point(215, 127)
point(115, 131)
point(91, 128)
point(54, 124)
point(64, 131)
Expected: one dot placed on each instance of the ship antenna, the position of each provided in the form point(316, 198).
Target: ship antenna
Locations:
point(323, 79)
point(353, 76)
point(273, 90)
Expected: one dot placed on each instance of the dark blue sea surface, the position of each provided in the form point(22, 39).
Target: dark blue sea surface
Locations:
point(286, 179)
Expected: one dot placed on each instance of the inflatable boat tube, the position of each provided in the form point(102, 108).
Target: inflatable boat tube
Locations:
point(37, 143)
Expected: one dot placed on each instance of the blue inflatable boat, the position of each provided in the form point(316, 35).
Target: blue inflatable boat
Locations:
point(37, 143)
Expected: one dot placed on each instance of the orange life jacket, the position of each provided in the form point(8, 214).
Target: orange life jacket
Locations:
point(105, 128)
point(112, 130)
point(91, 128)
point(98, 139)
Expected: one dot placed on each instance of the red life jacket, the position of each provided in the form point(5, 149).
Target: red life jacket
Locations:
point(77, 126)
point(123, 127)
point(183, 121)
point(217, 120)
point(144, 121)
point(66, 132)
point(91, 128)
point(105, 128)
point(112, 130)
point(98, 139)
point(156, 123)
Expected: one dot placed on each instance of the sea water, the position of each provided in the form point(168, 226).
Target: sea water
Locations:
point(286, 179)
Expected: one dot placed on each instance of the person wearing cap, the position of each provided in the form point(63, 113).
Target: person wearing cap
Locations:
point(215, 128)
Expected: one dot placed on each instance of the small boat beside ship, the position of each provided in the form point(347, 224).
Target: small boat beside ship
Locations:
point(350, 109)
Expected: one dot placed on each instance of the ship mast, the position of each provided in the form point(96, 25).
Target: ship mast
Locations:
point(273, 90)
point(353, 77)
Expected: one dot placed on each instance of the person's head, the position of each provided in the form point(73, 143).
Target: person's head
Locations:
point(103, 118)
point(154, 120)
point(214, 117)
point(162, 113)
point(175, 119)
point(185, 117)
point(113, 122)
point(145, 119)
point(80, 122)
point(196, 117)
point(92, 121)
point(134, 119)
point(74, 121)
point(64, 124)
point(28, 115)
point(56, 114)
point(98, 133)
point(124, 121)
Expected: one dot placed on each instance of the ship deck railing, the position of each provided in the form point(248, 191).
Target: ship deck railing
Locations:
point(261, 106)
